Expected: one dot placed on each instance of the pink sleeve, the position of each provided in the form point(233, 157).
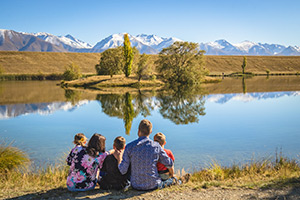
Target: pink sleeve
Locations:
point(101, 158)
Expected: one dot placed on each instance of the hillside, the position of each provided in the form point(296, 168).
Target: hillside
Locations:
point(53, 62)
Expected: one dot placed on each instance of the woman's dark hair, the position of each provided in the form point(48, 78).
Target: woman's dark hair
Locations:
point(96, 144)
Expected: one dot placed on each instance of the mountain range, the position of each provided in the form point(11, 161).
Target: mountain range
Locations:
point(150, 44)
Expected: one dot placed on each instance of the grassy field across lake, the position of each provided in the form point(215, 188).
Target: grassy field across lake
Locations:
point(49, 62)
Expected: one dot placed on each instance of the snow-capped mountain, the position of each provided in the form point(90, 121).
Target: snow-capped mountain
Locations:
point(68, 42)
point(222, 47)
point(15, 41)
point(150, 44)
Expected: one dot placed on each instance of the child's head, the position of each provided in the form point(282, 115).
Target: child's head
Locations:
point(96, 144)
point(119, 143)
point(160, 138)
point(79, 139)
point(145, 127)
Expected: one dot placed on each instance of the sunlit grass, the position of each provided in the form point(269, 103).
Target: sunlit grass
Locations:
point(256, 174)
point(11, 158)
point(17, 176)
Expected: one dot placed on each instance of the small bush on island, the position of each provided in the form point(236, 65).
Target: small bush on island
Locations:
point(111, 62)
point(72, 72)
point(182, 63)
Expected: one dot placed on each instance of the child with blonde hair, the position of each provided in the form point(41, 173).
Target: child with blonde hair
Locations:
point(86, 163)
point(163, 171)
point(80, 142)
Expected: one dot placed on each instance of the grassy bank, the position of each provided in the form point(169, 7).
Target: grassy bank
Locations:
point(31, 77)
point(280, 173)
point(120, 81)
point(50, 62)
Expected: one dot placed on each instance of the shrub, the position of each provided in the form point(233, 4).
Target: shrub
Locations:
point(72, 72)
point(11, 158)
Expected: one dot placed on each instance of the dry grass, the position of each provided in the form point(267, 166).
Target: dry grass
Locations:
point(98, 82)
point(258, 174)
point(46, 62)
point(50, 62)
point(16, 183)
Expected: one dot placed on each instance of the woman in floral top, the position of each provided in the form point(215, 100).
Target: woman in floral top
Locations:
point(84, 164)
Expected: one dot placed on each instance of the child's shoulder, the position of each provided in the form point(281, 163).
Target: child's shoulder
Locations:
point(170, 153)
point(77, 149)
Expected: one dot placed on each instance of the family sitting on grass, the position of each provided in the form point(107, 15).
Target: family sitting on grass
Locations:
point(143, 164)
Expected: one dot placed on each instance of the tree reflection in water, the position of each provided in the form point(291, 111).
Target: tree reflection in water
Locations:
point(73, 96)
point(181, 106)
point(121, 106)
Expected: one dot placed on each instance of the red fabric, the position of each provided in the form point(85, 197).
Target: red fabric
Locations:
point(161, 167)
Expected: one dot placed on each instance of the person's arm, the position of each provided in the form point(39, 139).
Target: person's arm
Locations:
point(124, 162)
point(165, 159)
point(171, 171)
point(70, 157)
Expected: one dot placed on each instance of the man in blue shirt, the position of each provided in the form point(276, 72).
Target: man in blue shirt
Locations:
point(142, 155)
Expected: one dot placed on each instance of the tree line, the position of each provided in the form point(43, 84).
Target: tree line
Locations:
point(181, 63)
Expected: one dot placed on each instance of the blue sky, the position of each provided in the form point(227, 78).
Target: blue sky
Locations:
point(263, 21)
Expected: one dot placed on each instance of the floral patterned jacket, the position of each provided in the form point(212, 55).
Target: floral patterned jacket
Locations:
point(83, 169)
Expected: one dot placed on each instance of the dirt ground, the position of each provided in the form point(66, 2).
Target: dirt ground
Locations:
point(175, 192)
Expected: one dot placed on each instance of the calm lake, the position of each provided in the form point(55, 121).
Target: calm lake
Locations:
point(232, 122)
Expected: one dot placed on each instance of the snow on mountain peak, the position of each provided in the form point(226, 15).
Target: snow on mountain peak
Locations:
point(245, 45)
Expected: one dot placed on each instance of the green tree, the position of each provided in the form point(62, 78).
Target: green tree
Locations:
point(244, 64)
point(128, 56)
point(72, 72)
point(111, 62)
point(182, 63)
point(136, 59)
point(142, 69)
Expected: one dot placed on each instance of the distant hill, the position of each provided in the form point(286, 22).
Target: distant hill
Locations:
point(150, 44)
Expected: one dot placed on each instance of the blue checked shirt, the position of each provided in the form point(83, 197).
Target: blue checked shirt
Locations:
point(142, 155)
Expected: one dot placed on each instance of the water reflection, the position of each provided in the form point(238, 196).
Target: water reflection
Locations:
point(125, 106)
point(182, 105)
point(244, 86)
point(266, 110)
point(73, 96)
point(119, 105)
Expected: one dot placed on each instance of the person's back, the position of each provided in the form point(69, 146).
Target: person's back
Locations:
point(142, 155)
point(112, 178)
point(163, 171)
